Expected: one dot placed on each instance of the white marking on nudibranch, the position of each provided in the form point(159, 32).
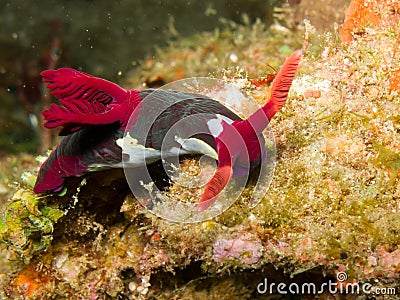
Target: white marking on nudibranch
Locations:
point(215, 125)
point(195, 146)
point(138, 154)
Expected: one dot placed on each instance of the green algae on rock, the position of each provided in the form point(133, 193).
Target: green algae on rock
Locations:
point(27, 224)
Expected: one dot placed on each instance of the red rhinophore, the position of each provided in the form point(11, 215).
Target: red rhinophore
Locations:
point(279, 91)
point(220, 178)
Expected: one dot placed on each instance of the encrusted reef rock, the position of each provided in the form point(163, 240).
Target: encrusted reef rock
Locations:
point(331, 213)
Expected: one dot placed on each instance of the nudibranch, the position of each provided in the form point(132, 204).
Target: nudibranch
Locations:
point(94, 114)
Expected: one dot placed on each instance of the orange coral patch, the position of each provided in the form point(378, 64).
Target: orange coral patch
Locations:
point(29, 282)
point(366, 13)
point(395, 81)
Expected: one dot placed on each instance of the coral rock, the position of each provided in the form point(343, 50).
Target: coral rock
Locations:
point(366, 13)
point(246, 248)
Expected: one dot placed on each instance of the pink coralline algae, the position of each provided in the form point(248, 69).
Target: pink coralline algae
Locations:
point(246, 248)
point(389, 262)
